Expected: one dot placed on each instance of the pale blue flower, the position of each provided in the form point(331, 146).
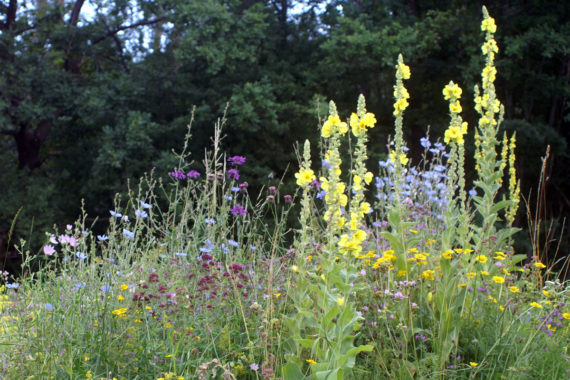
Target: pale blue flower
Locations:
point(141, 214)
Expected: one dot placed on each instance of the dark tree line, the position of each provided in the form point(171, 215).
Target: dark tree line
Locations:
point(94, 93)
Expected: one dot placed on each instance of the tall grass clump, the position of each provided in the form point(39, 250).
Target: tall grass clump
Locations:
point(399, 272)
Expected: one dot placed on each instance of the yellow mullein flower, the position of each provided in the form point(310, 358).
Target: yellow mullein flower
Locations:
point(305, 177)
point(488, 25)
point(402, 158)
point(455, 107)
point(452, 91)
point(403, 70)
point(368, 177)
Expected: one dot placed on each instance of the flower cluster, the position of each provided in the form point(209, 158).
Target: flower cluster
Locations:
point(351, 241)
point(457, 128)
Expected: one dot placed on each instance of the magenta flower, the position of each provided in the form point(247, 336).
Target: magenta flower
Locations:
point(237, 160)
point(178, 174)
point(233, 174)
point(49, 250)
point(238, 210)
point(193, 174)
point(288, 199)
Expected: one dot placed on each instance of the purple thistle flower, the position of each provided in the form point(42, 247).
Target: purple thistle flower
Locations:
point(233, 174)
point(288, 199)
point(238, 210)
point(237, 160)
point(193, 174)
point(178, 174)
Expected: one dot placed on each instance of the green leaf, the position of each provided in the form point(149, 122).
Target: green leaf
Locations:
point(291, 371)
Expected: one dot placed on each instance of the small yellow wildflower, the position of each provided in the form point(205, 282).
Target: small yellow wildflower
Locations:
point(473, 364)
point(120, 311)
point(481, 258)
point(471, 274)
point(566, 315)
point(124, 286)
point(514, 289)
point(498, 279)
point(536, 305)
point(539, 265)
point(311, 361)
point(545, 293)
point(295, 268)
point(277, 295)
point(428, 275)
point(340, 301)
point(120, 298)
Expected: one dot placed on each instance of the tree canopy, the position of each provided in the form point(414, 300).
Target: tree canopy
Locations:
point(95, 93)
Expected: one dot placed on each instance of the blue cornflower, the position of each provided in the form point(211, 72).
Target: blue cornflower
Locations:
point(233, 243)
point(235, 189)
point(80, 285)
point(228, 197)
point(472, 192)
point(181, 254)
point(208, 248)
point(105, 289)
point(321, 194)
point(141, 214)
point(48, 306)
point(145, 205)
point(13, 285)
point(128, 234)
point(252, 247)
point(115, 214)
point(81, 255)
point(425, 142)
point(102, 237)
point(210, 220)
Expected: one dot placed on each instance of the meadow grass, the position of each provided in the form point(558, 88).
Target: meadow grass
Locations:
point(194, 279)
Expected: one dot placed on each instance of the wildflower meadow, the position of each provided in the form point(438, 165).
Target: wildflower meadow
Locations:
point(390, 270)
